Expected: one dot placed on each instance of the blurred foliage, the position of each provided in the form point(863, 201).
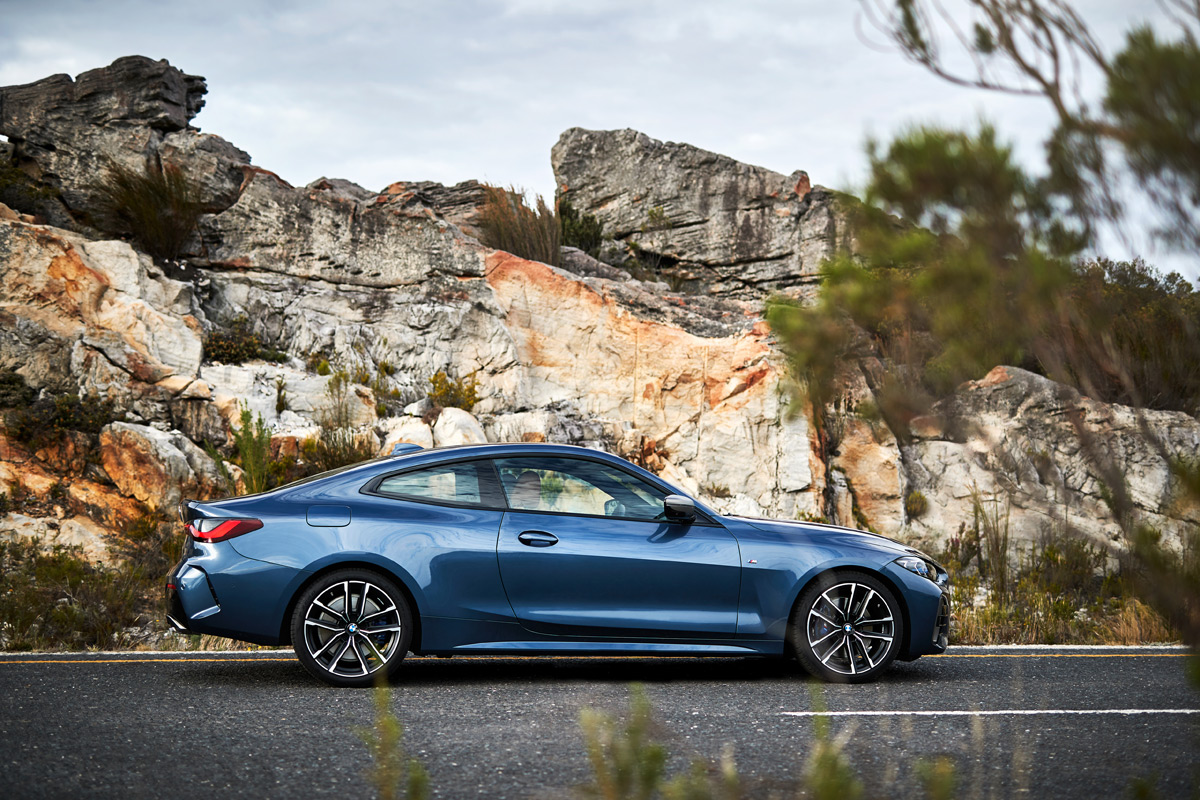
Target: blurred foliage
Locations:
point(158, 208)
point(961, 260)
point(626, 762)
point(236, 343)
point(828, 774)
point(508, 222)
point(393, 773)
point(580, 230)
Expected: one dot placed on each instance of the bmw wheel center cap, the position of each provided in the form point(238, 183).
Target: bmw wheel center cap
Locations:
point(353, 628)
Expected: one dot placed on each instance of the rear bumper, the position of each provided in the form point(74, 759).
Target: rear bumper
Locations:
point(216, 591)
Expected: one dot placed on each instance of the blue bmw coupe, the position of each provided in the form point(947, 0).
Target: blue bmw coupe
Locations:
point(548, 549)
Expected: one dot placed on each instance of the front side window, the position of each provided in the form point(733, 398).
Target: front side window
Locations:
point(577, 486)
point(459, 484)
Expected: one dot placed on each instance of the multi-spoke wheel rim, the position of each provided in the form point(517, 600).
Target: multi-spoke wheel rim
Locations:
point(352, 629)
point(850, 628)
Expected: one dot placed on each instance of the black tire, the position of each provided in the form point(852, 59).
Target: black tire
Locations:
point(352, 649)
point(830, 650)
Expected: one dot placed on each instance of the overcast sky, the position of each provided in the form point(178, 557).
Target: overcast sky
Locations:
point(384, 91)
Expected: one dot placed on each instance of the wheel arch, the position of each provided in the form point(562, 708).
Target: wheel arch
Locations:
point(285, 625)
point(835, 570)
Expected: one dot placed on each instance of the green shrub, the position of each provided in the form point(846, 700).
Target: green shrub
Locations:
point(56, 598)
point(158, 209)
point(14, 392)
point(236, 343)
point(48, 418)
point(447, 392)
point(22, 193)
point(336, 447)
point(580, 230)
point(915, 505)
point(507, 222)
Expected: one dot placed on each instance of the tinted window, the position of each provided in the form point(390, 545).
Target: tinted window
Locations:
point(446, 483)
point(577, 486)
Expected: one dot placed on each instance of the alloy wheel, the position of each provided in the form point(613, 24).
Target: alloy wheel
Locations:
point(352, 628)
point(851, 628)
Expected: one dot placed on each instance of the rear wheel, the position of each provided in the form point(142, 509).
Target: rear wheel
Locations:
point(351, 625)
point(847, 628)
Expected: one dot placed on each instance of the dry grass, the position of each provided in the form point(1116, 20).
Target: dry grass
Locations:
point(508, 222)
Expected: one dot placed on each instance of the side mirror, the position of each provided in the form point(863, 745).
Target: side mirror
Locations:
point(679, 508)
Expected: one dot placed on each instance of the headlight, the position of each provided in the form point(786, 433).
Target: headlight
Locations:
point(926, 569)
point(917, 565)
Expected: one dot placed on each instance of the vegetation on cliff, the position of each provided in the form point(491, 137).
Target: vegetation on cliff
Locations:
point(985, 264)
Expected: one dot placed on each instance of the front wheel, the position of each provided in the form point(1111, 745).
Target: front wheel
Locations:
point(847, 628)
point(351, 624)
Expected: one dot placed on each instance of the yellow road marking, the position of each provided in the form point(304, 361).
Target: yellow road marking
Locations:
point(291, 656)
point(1062, 655)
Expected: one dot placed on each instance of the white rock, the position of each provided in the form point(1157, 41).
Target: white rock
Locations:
point(456, 426)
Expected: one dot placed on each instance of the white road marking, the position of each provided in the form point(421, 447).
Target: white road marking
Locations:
point(1013, 712)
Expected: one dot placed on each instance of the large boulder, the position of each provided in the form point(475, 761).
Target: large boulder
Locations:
point(744, 231)
point(1009, 442)
point(159, 468)
point(88, 316)
point(125, 113)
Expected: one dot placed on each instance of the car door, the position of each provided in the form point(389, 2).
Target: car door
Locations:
point(583, 551)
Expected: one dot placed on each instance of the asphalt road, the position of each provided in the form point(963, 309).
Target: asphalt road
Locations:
point(215, 725)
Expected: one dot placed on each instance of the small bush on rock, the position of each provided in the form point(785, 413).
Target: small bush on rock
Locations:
point(22, 193)
point(14, 392)
point(580, 230)
point(449, 392)
point(915, 505)
point(237, 343)
point(47, 419)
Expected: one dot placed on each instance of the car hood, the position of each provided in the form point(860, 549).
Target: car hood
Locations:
point(849, 535)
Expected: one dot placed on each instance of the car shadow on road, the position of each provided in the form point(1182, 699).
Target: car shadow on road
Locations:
point(485, 670)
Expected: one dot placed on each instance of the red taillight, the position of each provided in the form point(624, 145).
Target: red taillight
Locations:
point(218, 530)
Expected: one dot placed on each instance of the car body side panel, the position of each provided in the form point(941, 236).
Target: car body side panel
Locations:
point(446, 555)
point(619, 577)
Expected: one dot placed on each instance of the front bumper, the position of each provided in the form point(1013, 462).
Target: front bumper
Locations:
point(928, 607)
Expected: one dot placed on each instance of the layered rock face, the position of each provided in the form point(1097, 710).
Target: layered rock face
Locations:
point(391, 287)
point(744, 231)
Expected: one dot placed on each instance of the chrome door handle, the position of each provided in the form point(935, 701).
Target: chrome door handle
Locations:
point(537, 538)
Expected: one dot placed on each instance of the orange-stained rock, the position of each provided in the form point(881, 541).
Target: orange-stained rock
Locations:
point(870, 459)
point(155, 467)
point(712, 404)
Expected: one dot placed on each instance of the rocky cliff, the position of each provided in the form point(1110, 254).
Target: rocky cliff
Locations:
point(392, 287)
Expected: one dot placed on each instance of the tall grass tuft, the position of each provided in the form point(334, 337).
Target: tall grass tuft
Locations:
point(158, 209)
point(508, 222)
point(828, 774)
point(337, 444)
point(393, 772)
point(626, 764)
